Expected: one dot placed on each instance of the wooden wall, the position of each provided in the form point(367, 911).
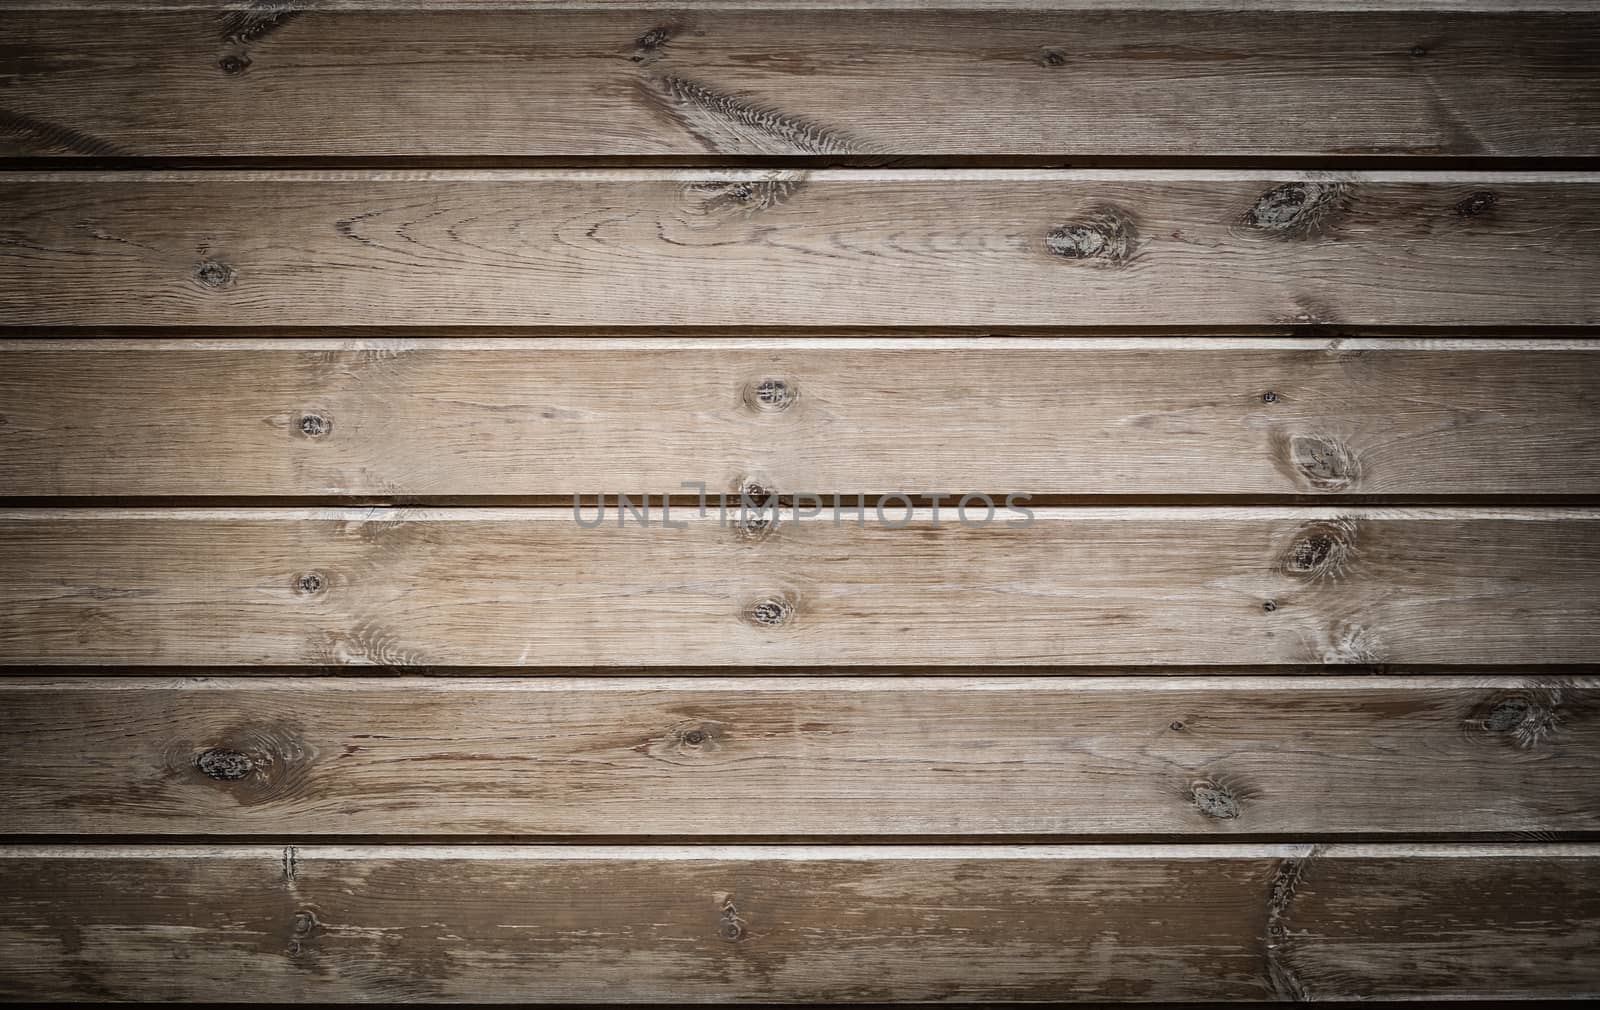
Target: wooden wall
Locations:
point(1275, 680)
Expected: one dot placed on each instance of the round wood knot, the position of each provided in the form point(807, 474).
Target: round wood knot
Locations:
point(1297, 209)
point(309, 584)
point(1105, 236)
point(770, 395)
point(1269, 606)
point(215, 275)
point(648, 46)
point(1215, 800)
point(754, 526)
point(1417, 52)
point(1269, 397)
point(233, 66)
point(224, 765)
point(1508, 715)
point(1053, 58)
point(731, 927)
point(314, 425)
point(753, 494)
point(771, 612)
point(1477, 203)
point(1524, 719)
point(305, 930)
point(1322, 462)
point(1321, 549)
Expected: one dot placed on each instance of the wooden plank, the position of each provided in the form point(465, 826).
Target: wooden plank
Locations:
point(645, 249)
point(820, 757)
point(702, 82)
point(514, 587)
point(833, 924)
point(552, 417)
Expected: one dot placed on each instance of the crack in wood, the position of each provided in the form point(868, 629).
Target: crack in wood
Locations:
point(1286, 880)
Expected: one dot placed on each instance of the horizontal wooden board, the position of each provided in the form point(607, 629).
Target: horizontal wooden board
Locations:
point(702, 81)
point(821, 757)
point(645, 249)
point(710, 924)
point(513, 587)
point(540, 417)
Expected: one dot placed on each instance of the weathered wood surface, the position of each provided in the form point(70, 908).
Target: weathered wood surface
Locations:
point(644, 249)
point(702, 82)
point(509, 587)
point(836, 923)
point(541, 417)
point(816, 757)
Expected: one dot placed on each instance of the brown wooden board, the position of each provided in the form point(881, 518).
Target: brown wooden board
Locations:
point(640, 250)
point(701, 81)
point(450, 417)
point(530, 587)
point(818, 757)
point(798, 924)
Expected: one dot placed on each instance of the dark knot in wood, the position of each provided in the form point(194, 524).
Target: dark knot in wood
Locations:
point(1106, 235)
point(215, 275)
point(772, 612)
point(224, 765)
point(770, 395)
point(1215, 800)
point(314, 425)
point(1297, 209)
point(309, 583)
point(1478, 203)
point(1508, 715)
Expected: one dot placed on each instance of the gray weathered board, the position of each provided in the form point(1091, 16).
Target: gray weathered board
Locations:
point(551, 417)
point(1281, 314)
point(697, 80)
point(832, 757)
point(531, 587)
point(798, 924)
point(641, 249)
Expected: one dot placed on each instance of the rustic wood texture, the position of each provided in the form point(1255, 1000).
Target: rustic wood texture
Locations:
point(818, 757)
point(542, 417)
point(511, 587)
point(705, 83)
point(644, 249)
point(956, 923)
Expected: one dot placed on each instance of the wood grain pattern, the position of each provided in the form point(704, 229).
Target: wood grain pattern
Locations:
point(645, 249)
point(837, 923)
point(484, 587)
point(817, 757)
point(700, 81)
point(1079, 417)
